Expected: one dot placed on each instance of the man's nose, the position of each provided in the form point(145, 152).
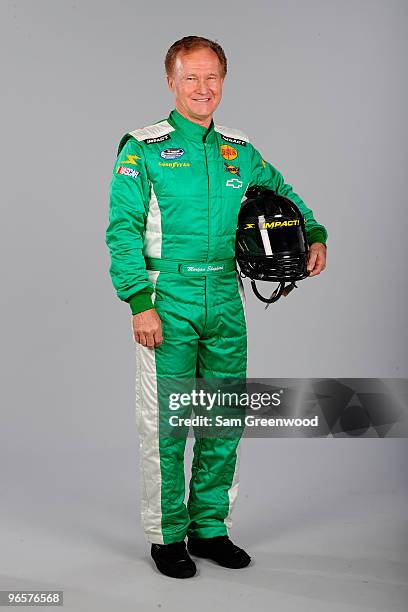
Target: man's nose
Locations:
point(202, 86)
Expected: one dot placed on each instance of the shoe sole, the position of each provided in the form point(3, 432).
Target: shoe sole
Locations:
point(245, 564)
point(169, 575)
point(168, 571)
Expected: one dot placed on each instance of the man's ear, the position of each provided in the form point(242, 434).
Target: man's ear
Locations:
point(170, 82)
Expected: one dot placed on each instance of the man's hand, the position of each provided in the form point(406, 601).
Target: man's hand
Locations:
point(147, 328)
point(316, 262)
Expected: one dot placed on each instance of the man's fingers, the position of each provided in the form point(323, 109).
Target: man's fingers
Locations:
point(142, 338)
point(322, 263)
point(158, 338)
point(316, 260)
point(316, 269)
point(319, 265)
point(150, 340)
point(312, 260)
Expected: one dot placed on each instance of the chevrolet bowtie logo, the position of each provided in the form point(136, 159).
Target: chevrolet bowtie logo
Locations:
point(235, 183)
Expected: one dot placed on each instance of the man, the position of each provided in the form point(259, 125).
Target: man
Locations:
point(176, 192)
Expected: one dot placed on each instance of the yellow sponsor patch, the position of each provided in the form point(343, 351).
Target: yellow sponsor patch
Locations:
point(274, 224)
point(228, 152)
point(131, 159)
point(175, 164)
point(232, 169)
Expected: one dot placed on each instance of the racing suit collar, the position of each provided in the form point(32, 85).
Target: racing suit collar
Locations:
point(191, 130)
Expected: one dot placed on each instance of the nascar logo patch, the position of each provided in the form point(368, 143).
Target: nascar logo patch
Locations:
point(171, 153)
point(127, 172)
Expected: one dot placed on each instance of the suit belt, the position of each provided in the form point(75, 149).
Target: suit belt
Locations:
point(189, 268)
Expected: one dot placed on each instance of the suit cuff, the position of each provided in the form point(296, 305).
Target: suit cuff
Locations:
point(316, 235)
point(140, 301)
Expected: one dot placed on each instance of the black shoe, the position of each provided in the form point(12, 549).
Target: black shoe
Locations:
point(173, 560)
point(219, 549)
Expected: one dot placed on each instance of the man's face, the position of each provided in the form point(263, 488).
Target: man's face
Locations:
point(197, 84)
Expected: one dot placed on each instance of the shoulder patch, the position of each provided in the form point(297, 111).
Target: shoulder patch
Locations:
point(153, 133)
point(231, 135)
point(157, 139)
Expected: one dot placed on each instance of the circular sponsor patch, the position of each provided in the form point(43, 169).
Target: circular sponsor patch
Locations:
point(228, 152)
point(171, 153)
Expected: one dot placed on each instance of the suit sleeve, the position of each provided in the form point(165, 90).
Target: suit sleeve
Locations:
point(265, 175)
point(129, 201)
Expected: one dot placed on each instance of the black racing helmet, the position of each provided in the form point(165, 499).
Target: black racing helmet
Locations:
point(271, 241)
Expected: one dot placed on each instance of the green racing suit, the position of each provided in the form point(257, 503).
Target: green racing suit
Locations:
point(176, 191)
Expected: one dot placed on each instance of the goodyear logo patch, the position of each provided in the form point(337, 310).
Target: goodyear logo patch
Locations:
point(171, 153)
point(232, 169)
point(228, 152)
point(127, 172)
point(175, 164)
point(273, 224)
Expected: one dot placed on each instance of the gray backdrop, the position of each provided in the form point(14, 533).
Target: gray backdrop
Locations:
point(321, 88)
